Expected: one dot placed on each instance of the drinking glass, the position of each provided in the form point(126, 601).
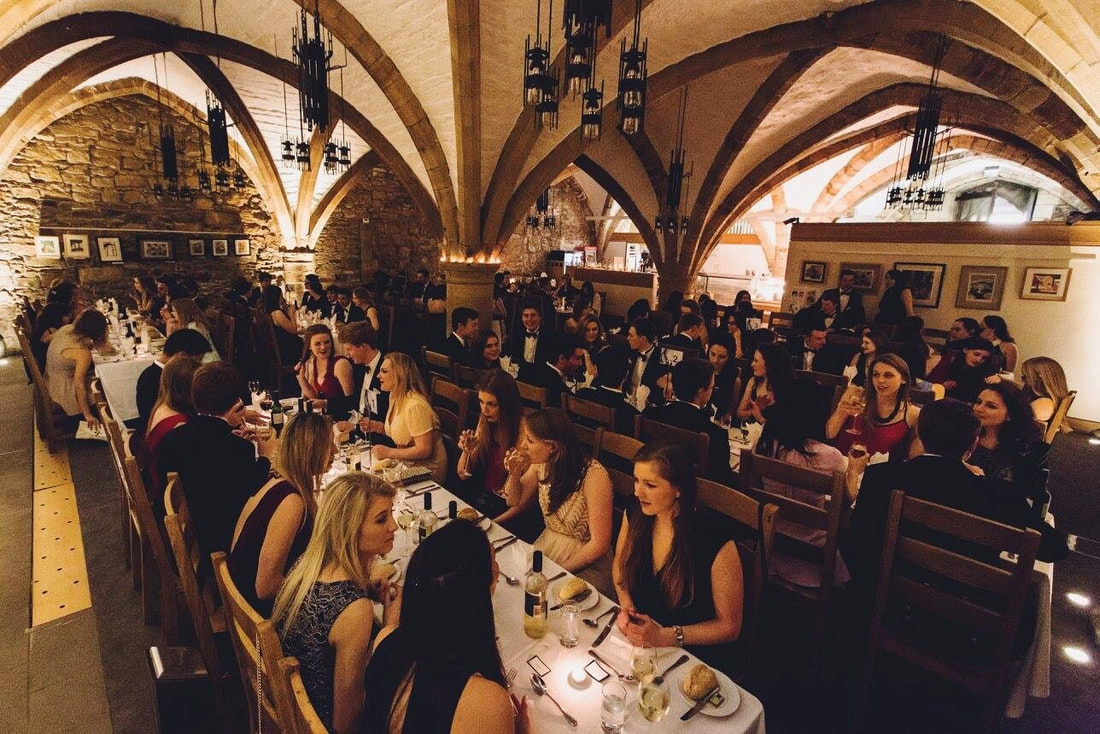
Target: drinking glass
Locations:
point(643, 662)
point(653, 699)
point(858, 399)
point(613, 711)
point(569, 632)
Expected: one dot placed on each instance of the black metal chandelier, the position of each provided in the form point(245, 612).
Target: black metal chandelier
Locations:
point(632, 78)
point(668, 219)
point(916, 191)
point(337, 156)
point(166, 146)
point(542, 217)
point(313, 55)
point(540, 83)
point(581, 22)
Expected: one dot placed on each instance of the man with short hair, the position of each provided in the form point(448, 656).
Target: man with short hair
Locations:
point(181, 341)
point(218, 468)
point(803, 351)
point(690, 331)
point(565, 361)
point(692, 384)
point(346, 309)
point(333, 295)
point(360, 342)
point(849, 299)
point(607, 388)
point(528, 346)
point(464, 327)
point(645, 366)
point(418, 283)
point(963, 327)
point(263, 280)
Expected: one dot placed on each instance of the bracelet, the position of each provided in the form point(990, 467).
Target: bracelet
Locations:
point(679, 635)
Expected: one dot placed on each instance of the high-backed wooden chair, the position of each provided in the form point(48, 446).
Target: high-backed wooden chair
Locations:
point(50, 418)
point(616, 452)
point(834, 384)
point(697, 444)
point(1059, 417)
point(936, 338)
point(436, 364)
point(306, 720)
point(587, 417)
point(823, 516)
point(223, 330)
point(533, 398)
point(753, 528)
point(246, 628)
point(468, 377)
point(387, 315)
point(267, 352)
point(161, 589)
point(977, 602)
point(207, 618)
point(131, 544)
point(452, 405)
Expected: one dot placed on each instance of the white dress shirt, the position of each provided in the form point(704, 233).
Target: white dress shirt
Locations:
point(368, 399)
point(530, 347)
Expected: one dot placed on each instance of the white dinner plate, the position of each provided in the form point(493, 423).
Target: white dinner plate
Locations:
point(728, 689)
point(591, 602)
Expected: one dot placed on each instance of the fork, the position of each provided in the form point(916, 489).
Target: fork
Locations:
point(511, 676)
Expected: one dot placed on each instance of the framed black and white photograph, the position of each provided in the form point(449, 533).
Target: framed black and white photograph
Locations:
point(925, 281)
point(156, 249)
point(813, 272)
point(47, 247)
point(1045, 284)
point(197, 248)
point(219, 248)
point(981, 286)
point(110, 249)
point(242, 247)
point(76, 246)
point(868, 276)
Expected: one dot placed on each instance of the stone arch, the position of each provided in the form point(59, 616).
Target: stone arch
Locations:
point(336, 194)
point(851, 169)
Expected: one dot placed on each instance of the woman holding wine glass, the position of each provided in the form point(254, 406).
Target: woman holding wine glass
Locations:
point(496, 434)
point(322, 374)
point(771, 376)
point(879, 416)
point(410, 422)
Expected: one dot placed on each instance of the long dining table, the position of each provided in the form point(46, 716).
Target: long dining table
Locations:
point(583, 700)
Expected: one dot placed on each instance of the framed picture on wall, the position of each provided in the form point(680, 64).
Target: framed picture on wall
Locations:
point(868, 276)
point(110, 249)
point(156, 249)
point(76, 246)
point(981, 286)
point(813, 272)
point(242, 247)
point(47, 247)
point(197, 248)
point(1045, 284)
point(926, 282)
point(219, 248)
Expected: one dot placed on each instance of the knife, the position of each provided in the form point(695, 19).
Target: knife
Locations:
point(606, 630)
point(700, 703)
point(505, 544)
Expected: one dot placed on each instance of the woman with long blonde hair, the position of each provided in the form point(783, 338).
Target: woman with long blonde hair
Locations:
point(1044, 383)
point(324, 610)
point(186, 314)
point(276, 522)
point(410, 423)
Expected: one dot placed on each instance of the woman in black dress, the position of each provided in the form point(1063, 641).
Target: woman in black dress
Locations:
point(440, 669)
point(897, 300)
point(678, 581)
point(1010, 447)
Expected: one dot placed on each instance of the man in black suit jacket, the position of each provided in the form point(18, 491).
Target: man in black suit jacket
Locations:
point(529, 345)
point(693, 383)
point(219, 469)
point(850, 300)
point(183, 341)
point(607, 388)
point(360, 342)
point(464, 327)
point(645, 367)
point(566, 360)
point(690, 331)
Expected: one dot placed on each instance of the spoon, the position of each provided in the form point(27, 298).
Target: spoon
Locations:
point(511, 580)
point(679, 661)
point(540, 688)
point(596, 622)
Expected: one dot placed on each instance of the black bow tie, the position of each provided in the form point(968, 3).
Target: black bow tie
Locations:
point(642, 357)
point(532, 335)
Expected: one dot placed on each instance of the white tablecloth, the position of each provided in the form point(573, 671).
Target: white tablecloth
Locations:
point(119, 380)
point(1034, 676)
point(584, 702)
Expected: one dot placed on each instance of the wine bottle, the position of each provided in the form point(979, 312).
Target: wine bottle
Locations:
point(535, 622)
point(277, 417)
point(452, 510)
point(129, 330)
point(427, 520)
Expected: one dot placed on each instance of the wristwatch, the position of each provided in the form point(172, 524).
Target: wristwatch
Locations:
point(679, 635)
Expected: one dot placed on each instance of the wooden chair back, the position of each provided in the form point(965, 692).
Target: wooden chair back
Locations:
point(753, 526)
point(387, 315)
point(533, 398)
point(246, 627)
point(935, 338)
point(923, 573)
point(48, 415)
point(268, 353)
point(697, 444)
point(587, 418)
point(436, 364)
point(158, 571)
point(781, 320)
point(206, 618)
point(616, 452)
point(452, 405)
point(1059, 417)
point(844, 340)
point(132, 544)
point(834, 384)
point(468, 377)
point(224, 331)
point(306, 720)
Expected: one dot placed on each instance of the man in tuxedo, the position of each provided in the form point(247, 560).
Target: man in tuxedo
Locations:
point(607, 389)
point(693, 383)
point(528, 346)
point(804, 351)
point(850, 301)
point(690, 331)
point(183, 341)
point(464, 327)
point(566, 360)
point(344, 310)
point(219, 469)
point(645, 366)
point(360, 342)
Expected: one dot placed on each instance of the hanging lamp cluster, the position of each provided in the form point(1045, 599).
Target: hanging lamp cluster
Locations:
point(227, 172)
point(633, 73)
point(668, 219)
point(542, 217)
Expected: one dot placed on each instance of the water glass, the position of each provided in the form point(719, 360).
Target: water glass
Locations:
point(613, 710)
point(569, 632)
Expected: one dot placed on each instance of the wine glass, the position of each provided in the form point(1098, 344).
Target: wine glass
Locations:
point(857, 398)
point(643, 662)
point(653, 698)
point(266, 403)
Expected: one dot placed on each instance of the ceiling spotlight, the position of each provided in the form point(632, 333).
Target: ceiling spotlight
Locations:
point(791, 220)
point(1077, 655)
point(1078, 599)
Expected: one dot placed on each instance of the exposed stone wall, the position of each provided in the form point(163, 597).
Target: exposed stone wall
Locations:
point(377, 225)
point(92, 173)
point(526, 249)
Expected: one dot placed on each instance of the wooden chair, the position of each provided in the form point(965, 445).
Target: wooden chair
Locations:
point(206, 618)
point(697, 444)
point(452, 405)
point(224, 333)
point(936, 338)
point(258, 672)
point(468, 377)
point(387, 316)
point(844, 340)
point(50, 418)
point(131, 543)
point(1060, 413)
point(616, 452)
point(835, 384)
point(975, 599)
point(160, 584)
point(533, 398)
point(436, 365)
point(588, 417)
point(306, 720)
point(781, 320)
point(279, 375)
point(816, 601)
point(753, 528)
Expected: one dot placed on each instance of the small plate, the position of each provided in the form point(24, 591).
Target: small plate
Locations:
point(590, 602)
point(728, 689)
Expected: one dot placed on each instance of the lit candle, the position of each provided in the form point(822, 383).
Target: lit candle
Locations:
point(578, 678)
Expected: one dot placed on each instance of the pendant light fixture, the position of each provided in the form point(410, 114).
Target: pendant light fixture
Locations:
point(632, 78)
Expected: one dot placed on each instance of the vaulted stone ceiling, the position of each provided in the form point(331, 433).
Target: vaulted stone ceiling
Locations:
point(432, 90)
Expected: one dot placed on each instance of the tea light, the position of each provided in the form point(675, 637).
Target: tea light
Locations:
point(578, 678)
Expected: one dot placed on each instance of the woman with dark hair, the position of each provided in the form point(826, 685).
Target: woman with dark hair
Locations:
point(572, 490)
point(637, 310)
point(322, 374)
point(873, 343)
point(285, 323)
point(69, 365)
point(911, 346)
point(485, 351)
point(149, 303)
point(1010, 447)
point(708, 309)
point(771, 376)
point(497, 433)
point(52, 317)
point(595, 300)
point(314, 297)
point(995, 329)
point(897, 300)
point(884, 421)
point(678, 580)
point(172, 409)
point(727, 379)
point(1044, 382)
point(439, 669)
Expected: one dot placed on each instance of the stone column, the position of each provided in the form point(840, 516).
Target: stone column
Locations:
point(471, 285)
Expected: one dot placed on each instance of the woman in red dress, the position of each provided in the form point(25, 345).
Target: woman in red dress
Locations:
point(322, 374)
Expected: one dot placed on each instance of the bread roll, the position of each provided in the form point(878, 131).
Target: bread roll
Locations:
point(382, 571)
point(381, 464)
point(468, 513)
point(571, 589)
point(698, 682)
